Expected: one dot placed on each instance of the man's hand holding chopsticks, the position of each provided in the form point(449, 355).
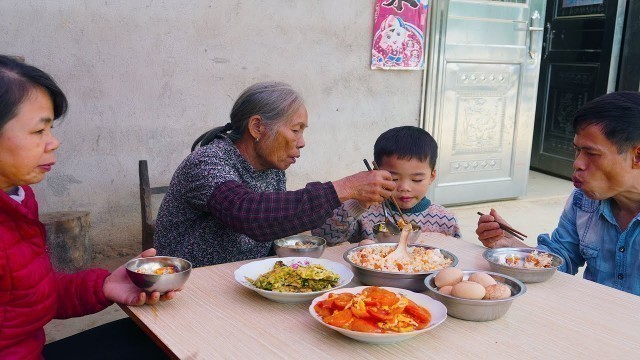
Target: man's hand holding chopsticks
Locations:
point(492, 235)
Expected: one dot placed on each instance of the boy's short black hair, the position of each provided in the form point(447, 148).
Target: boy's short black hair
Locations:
point(406, 142)
point(618, 115)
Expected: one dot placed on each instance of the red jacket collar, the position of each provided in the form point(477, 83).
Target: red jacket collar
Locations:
point(11, 208)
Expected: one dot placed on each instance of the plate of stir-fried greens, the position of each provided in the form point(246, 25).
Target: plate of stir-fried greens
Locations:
point(292, 279)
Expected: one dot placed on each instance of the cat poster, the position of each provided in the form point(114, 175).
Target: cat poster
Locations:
point(398, 34)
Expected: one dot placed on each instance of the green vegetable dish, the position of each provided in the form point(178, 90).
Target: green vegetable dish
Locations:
point(297, 278)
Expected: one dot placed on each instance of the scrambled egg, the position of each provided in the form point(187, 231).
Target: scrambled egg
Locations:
point(296, 278)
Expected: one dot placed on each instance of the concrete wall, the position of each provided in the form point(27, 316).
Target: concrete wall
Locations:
point(145, 78)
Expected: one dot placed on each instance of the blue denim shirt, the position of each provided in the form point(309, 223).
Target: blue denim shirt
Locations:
point(588, 233)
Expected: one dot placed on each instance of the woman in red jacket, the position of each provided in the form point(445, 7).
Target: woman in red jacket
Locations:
point(31, 292)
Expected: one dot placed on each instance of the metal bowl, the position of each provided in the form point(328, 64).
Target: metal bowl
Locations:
point(410, 281)
point(477, 310)
point(496, 260)
point(300, 246)
point(140, 271)
point(385, 235)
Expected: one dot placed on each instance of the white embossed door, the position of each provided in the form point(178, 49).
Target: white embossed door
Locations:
point(481, 96)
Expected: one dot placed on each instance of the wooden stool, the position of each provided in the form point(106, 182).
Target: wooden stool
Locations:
point(68, 239)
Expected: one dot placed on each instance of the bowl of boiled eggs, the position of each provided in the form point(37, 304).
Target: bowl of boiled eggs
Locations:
point(473, 294)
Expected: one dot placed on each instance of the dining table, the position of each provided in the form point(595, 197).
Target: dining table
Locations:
point(565, 317)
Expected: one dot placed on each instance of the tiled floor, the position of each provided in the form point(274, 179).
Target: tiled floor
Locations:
point(536, 212)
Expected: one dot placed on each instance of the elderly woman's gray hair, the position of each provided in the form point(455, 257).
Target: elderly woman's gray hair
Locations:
point(273, 101)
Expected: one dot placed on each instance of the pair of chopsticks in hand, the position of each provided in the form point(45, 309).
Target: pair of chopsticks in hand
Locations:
point(509, 229)
point(375, 167)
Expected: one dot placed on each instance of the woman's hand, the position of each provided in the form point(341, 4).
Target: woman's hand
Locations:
point(367, 187)
point(119, 288)
point(492, 236)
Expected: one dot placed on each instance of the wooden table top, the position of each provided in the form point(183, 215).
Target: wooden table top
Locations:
point(565, 317)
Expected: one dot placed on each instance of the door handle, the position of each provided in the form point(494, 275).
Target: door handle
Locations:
point(532, 53)
point(535, 19)
point(548, 40)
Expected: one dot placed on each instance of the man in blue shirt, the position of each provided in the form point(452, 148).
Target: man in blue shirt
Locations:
point(600, 223)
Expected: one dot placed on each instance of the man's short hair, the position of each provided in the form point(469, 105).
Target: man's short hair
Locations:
point(406, 142)
point(617, 114)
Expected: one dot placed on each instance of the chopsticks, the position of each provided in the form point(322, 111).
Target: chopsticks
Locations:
point(509, 229)
point(375, 167)
point(366, 163)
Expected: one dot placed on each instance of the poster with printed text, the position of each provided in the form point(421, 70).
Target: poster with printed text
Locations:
point(399, 34)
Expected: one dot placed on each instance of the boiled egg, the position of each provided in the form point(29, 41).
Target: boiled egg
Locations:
point(448, 276)
point(482, 278)
point(497, 291)
point(468, 290)
point(446, 290)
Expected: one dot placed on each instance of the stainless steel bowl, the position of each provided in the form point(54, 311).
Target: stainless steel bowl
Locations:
point(477, 310)
point(138, 270)
point(384, 235)
point(300, 246)
point(404, 280)
point(496, 260)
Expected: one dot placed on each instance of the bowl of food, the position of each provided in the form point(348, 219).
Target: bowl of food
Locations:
point(158, 273)
point(528, 265)
point(369, 265)
point(384, 234)
point(474, 295)
point(378, 315)
point(300, 246)
point(292, 279)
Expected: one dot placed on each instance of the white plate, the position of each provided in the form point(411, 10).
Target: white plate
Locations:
point(436, 308)
point(256, 268)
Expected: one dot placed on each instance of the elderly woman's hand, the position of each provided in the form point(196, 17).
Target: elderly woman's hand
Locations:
point(367, 187)
point(119, 288)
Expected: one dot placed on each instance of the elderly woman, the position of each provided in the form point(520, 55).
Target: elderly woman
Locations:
point(227, 200)
point(31, 292)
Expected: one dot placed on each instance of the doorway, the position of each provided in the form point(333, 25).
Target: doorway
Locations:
point(580, 50)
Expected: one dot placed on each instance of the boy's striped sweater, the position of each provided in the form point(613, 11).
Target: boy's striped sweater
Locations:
point(351, 222)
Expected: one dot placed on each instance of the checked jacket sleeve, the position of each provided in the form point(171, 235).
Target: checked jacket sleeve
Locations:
point(267, 216)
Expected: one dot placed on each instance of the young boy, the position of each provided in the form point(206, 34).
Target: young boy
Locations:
point(409, 153)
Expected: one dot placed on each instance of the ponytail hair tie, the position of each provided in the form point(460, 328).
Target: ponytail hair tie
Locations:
point(227, 127)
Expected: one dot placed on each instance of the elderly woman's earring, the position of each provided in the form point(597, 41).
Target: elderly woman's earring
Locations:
point(257, 139)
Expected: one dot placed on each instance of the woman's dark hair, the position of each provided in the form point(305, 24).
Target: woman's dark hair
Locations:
point(17, 81)
point(273, 101)
point(406, 142)
point(617, 114)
